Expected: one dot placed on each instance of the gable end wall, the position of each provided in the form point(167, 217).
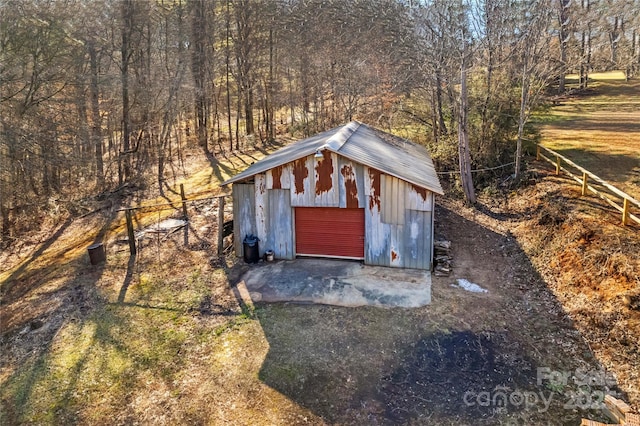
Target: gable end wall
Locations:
point(398, 215)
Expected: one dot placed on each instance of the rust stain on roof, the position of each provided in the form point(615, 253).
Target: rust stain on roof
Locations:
point(300, 173)
point(351, 189)
point(394, 255)
point(324, 172)
point(276, 172)
point(374, 198)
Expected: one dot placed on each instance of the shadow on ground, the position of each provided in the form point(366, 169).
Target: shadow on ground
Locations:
point(506, 356)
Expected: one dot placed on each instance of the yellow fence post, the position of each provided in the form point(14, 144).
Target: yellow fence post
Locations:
point(625, 211)
point(584, 183)
point(537, 152)
point(557, 164)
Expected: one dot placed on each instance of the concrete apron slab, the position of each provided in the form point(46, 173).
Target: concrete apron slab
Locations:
point(338, 282)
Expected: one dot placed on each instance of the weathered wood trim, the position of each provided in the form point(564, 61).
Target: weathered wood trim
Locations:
point(261, 211)
point(432, 231)
point(244, 216)
point(280, 236)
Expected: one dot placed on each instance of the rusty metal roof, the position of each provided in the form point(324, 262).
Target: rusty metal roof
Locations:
point(363, 144)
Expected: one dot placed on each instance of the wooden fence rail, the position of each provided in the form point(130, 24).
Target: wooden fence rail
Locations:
point(626, 199)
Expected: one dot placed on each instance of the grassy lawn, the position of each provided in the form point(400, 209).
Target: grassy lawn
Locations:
point(599, 129)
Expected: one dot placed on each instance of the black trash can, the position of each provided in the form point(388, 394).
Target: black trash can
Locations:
point(251, 249)
point(96, 253)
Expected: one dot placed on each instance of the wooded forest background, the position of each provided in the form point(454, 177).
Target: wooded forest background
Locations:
point(95, 94)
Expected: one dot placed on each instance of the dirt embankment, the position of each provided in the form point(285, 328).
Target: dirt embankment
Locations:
point(590, 262)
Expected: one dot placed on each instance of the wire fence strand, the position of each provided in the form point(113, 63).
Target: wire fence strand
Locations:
point(457, 172)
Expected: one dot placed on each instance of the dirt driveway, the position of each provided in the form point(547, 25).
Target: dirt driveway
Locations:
point(339, 283)
point(506, 356)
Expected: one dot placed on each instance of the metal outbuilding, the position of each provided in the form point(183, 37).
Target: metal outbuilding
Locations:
point(350, 192)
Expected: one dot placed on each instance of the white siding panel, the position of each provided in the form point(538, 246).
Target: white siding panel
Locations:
point(268, 179)
point(377, 234)
point(285, 177)
point(281, 180)
point(352, 174)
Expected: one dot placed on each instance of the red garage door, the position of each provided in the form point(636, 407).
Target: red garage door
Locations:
point(330, 232)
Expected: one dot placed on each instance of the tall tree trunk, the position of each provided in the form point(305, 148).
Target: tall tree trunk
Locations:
point(442, 126)
point(614, 37)
point(198, 68)
point(248, 109)
point(464, 155)
point(96, 119)
point(583, 39)
point(524, 101)
point(124, 169)
point(563, 36)
point(228, 71)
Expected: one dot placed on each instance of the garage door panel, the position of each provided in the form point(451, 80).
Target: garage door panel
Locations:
point(328, 231)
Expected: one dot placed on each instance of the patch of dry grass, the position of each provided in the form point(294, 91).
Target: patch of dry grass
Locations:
point(78, 340)
point(599, 130)
point(601, 76)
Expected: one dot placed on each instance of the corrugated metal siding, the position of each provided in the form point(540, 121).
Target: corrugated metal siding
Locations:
point(325, 172)
point(244, 214)
point(279, 177)
point(393, 192)
point(398, 215)
point(302, 182)
point(350, 183)
point(377, 233)
point(417, 239)
point(395, 234)
point(262, 217)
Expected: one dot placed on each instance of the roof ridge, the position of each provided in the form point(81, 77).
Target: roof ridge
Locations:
point(335, 142)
